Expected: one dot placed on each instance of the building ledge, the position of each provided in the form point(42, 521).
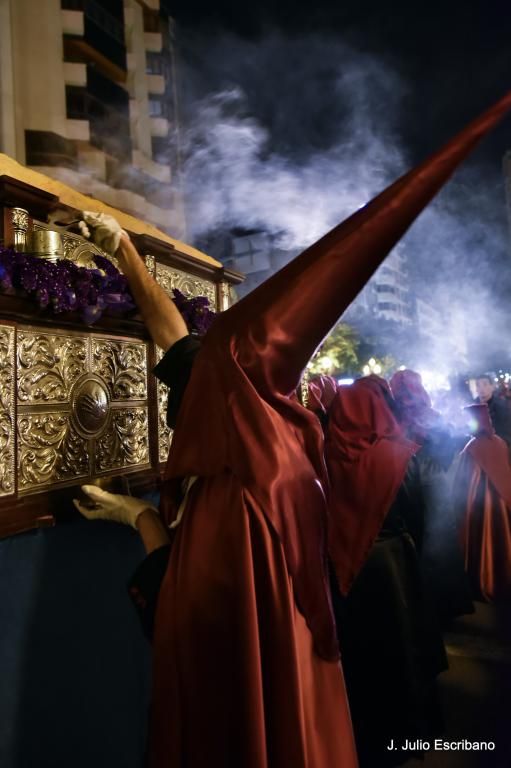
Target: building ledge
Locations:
point(75, 74)
point(159, 127)
point(153, 5)
point(155, 84)
point(72, 23)
point(74, 48)
point(78, 130)
point(153, 42)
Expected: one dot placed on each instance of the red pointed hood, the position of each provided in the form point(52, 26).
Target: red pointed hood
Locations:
point(367, 455)
point(237, 415)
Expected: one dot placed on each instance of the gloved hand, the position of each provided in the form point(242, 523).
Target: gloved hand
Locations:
point(112, 506)
point(104, 230)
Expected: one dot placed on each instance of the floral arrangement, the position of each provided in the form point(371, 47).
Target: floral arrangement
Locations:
point(65, 287)
point(195, 311)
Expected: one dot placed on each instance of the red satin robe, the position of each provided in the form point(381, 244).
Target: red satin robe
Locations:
point(237, 681)
point(483, 484)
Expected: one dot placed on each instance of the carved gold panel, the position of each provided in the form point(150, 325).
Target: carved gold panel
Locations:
point(123, 365)
point(164, 433)
point(50, 451)
point(170, 278)
point(125, 442)
point(7, 414)
point(48, 366)
point(82, 407)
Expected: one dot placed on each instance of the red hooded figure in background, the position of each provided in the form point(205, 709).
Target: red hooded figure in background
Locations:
point(246, 663)
point(367, 456)
point(482, 492)
point(391, 647)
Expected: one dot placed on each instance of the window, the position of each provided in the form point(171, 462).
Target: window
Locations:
point(156, 108)
point(386, 289)
point(151, 21)
point(155, 64)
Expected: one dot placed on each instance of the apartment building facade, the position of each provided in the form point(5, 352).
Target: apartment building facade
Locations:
point(88, 96)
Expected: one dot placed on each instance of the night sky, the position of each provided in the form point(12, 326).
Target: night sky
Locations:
point(455, 55)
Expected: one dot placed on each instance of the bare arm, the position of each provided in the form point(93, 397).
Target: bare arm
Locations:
point(161, 317)
point(152, 531)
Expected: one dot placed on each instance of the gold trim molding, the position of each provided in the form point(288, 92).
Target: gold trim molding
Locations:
point(7, 410)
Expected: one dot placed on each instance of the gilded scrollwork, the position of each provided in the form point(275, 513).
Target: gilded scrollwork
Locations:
point(48, 366)
point(170, 278)
point(19, 218)
point(49, 451)
point(125, 442)
point(225, 296)
point(7, 381)
point(123, 365)
point(150, 263)
point(164, 432)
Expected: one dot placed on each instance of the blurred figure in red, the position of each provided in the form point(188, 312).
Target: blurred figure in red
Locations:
point(482, 493)
point(391, 646)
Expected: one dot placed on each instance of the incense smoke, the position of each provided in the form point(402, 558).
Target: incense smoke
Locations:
point(290, 136)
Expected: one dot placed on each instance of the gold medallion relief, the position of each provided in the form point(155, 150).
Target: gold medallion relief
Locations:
point(82, 407)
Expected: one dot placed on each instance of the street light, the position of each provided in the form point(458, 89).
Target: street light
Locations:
point(372, 367)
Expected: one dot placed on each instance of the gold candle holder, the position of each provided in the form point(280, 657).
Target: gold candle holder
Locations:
point(19, 219)
point(47, 244)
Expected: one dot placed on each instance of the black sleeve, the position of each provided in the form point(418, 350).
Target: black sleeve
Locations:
point(407, 512)
point(145, 584)
point(174, 370)
point(500, 413)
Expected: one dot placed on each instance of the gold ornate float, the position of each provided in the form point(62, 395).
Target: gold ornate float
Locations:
point(80, 404)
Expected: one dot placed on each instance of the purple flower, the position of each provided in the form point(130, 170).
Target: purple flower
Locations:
point(64, 287)
point(42, 297)
point(195, 311)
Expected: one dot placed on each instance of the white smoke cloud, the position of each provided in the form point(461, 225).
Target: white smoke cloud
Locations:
point(236, 177)
point(291, 136)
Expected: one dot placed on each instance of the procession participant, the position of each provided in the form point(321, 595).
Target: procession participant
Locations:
point(441, 555)
point(391, 649)
point(482, 493)
point(246, 667)
point(500, 412)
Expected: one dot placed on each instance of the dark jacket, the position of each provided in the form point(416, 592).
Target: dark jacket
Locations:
point(500, 414)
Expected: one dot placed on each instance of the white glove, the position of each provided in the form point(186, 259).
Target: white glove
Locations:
point(104, 230)
point(112, 506)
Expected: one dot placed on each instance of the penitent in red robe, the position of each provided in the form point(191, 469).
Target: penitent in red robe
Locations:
point(246, 667)
point(367, 457)
point(483, 490)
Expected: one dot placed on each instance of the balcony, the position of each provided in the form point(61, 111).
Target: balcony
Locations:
point(44, 148)
point(93, 34)
point(105, 106)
